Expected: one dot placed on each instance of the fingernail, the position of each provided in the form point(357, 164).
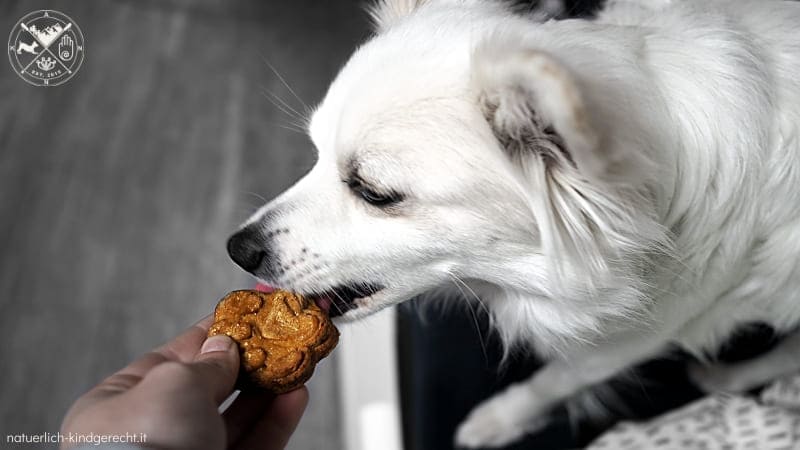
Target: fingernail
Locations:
point(218, 343)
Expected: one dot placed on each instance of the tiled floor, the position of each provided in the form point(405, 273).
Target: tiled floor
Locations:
point(119, 188)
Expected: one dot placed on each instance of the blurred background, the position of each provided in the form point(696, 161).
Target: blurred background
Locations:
point(119, 188)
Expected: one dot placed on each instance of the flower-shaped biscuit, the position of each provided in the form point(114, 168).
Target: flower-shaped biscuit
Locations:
point(281, 336)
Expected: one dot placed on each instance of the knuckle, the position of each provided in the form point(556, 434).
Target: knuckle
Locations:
point(176, 371)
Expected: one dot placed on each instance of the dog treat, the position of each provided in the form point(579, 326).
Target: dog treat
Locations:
point(281, 336)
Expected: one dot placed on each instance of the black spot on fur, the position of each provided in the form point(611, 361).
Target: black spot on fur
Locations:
point(533, 137)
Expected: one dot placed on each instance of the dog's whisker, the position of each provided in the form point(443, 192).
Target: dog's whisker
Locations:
point(480, 302)
point(474, 316)
point(256, 195)
point(288, 108)
point(287, 127)
point(297, 114)
point(283, 81)
point(339, 309)
point(281, 105)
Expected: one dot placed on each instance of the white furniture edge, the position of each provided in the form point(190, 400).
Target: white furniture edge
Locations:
point(369, 383)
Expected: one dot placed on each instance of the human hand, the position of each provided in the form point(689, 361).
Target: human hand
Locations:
point(66, 48)
point(172, 395)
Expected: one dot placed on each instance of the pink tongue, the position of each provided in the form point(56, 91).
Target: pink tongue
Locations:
point(324, 303)
point(264, 288)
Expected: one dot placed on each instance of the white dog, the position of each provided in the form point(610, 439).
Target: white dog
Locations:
point(607, 187)
point(29, 48)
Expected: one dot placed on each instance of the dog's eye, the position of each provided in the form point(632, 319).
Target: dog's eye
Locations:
point(375, 198)
point(372, 197)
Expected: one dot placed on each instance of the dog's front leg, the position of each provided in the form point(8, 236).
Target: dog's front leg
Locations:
point(523, 406)
point(782, 360)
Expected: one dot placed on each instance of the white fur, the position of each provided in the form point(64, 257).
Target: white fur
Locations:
point(668, 213)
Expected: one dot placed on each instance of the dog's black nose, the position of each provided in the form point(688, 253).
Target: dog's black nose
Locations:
point(248, 248)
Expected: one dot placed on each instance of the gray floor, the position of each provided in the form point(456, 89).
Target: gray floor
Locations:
point(119, 188)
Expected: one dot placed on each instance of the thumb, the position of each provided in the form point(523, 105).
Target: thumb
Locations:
point(217, 366)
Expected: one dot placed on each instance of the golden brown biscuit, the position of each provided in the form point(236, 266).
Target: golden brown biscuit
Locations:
point(281, 336)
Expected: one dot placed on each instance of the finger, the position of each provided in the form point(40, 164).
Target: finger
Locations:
point(130, 376)
point(273, 430)
point(176, 350)
point(185, 347)
point(245, 411)
point(119, 382)
point(217, 366)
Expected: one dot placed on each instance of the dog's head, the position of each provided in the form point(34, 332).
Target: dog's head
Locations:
point(449, 150)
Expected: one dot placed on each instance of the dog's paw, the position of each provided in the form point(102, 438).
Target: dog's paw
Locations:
point(486, 426)
point(717, 378)
point(497, 422)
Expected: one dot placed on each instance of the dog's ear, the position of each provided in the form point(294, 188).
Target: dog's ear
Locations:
point(535, 107)
point(384, 13)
